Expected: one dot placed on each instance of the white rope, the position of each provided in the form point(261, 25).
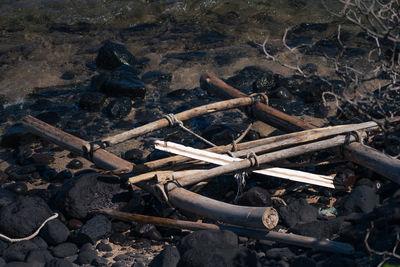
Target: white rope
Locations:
point(55, 215)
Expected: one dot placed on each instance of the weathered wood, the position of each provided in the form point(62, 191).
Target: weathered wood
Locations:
point(265, 144)
point(202, 175)
point(290, 239)
point(360, 154)
point(100, 157)
point(378, 162)
point(182, 116)
point(255, 217)
point(218, 159)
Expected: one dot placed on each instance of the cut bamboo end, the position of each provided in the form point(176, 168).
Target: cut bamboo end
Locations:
point(270, 218)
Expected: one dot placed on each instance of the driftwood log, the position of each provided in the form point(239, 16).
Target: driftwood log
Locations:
point(291, 239)
point(231, 214)
point(366, 156)
point(265, 144)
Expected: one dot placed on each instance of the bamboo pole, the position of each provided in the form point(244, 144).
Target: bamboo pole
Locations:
point(182, 116)
point(218, 159)
point(360, 154)
point(265, 144)
point(100, 157)
point(201, 175)
point(290, 239)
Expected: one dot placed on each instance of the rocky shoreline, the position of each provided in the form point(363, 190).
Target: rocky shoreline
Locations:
point(120, 90)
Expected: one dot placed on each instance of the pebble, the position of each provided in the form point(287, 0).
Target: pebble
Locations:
point(103, 247)
point(64, 250)
point(94, 229)
point(92, 101)
point(54, 232)
point(18, 188)
point(112, 55)
point(119, 108)
point(75, 164)
point(59, 263)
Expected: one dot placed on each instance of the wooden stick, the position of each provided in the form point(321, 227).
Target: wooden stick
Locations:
point(218, 159)
point(258, 217)
point(200, 176)
point(100, 157)
point(182, 116)
point(255, 217)
point(359, 153)
point(290, 239)
point(265, 144)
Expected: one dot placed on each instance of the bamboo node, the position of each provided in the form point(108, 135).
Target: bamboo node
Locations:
point(89, 149)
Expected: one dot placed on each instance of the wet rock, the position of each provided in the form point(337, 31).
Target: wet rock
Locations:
point(94, 229)
point(54, 232)
point(13, 137)
point(98, 81)
point(18, 251)
point(169, 257)
point(208, 238)
point(255, 197)
point(75, 164)
point(119, 108)
point(216, 257)
point(64, 250)
point(296, 212)
point(39, 257)
point(308, 27)
point(318, 229)
point(266, 83)
point(49, 117)
point(22, 217)
point(86, 257)
point(59, 263)
point(284, 94)
point(303, 261)
point(92, 101)
point(87, 191)
point(209, 39)
point(103, 247)
point(112, 55)
point(157, 78)
point(18, 188)
point(120, 227)
point(362, 199)
point(124, 83)
point(133, 154)
point(246, 77)
point(68, 75)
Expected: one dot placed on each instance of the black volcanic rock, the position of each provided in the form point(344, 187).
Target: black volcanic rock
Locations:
point(18, 251)
point(22, 217)
point(64, 250)
point(119, 108)
point(94, 229)
point(298, 211)
point(92, 101)
point(81, 194)
point(169, 257)
point(362, 199)
point(208, 238)
point(54, 232)
point(38, 257)
point(124, 83)
point(256, 197)
point(112, 55)
point(6, 197)
point(218, 257)
point(59, 263)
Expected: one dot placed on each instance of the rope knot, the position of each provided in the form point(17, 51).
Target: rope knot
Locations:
point(253, 158)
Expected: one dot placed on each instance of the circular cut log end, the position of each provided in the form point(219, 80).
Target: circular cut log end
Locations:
point(270, 218)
